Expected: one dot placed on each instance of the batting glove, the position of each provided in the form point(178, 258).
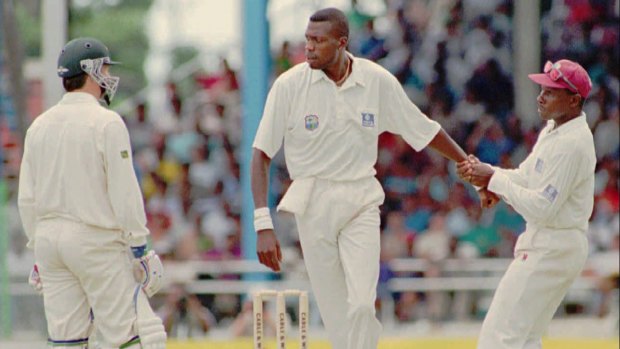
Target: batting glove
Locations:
point(34, 280)
point(148, 271)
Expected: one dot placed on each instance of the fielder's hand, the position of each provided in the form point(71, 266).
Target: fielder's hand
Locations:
point(268, 249)
point(475, 172)
point(149, 272)
point(34, 280)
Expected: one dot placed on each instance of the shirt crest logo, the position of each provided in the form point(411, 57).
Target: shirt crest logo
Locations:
point(368, 120)
point(311, 122)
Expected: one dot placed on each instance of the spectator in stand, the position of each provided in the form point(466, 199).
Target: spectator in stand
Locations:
point(184, 316)
point(242, 325)
point(283, 61)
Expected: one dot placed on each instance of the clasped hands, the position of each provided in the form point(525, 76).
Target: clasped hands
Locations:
point(479, 174)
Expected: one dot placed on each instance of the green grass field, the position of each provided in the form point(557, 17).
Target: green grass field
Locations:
point(399, 344)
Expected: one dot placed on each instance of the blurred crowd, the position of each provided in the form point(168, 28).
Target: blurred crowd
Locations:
point(457, 67)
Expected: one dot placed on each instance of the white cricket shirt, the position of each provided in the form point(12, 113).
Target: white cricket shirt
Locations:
point(77, 165)
point(331, 132)
point(554, 186)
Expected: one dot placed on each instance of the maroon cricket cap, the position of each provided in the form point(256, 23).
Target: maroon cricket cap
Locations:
point(564, 74)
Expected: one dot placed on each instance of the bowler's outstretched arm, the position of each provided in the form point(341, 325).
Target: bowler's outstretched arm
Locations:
point(447, 147)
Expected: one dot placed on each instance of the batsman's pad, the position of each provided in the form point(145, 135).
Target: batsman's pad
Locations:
point(149, 326)
point(149, 272)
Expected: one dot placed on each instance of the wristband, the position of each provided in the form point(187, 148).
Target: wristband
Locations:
point(262, 219)
point(138, 251)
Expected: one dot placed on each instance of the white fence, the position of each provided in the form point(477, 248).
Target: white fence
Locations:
point(456, 275)
point(470, 282)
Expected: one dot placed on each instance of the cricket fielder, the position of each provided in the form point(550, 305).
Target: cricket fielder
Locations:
point(82, 210)
point(553, 189)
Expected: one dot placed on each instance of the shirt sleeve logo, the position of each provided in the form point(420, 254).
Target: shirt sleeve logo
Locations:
point(311, 122)
point(368, 120)
point(539, 165)
point(124, 154)
point(550, 193)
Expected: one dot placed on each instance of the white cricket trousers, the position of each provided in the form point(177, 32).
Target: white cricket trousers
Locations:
point(83, 268)
point(339, 235)
point(546, 264)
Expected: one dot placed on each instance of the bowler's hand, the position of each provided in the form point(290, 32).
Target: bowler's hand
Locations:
point(488, 199)
point(268, 249)
point(464, 168)
point(475, 172)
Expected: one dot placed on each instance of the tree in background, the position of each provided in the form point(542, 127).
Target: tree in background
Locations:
point(119, 23)
point(121, 27)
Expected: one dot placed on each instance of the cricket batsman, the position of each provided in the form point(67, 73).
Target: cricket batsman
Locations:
point(82, 210)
